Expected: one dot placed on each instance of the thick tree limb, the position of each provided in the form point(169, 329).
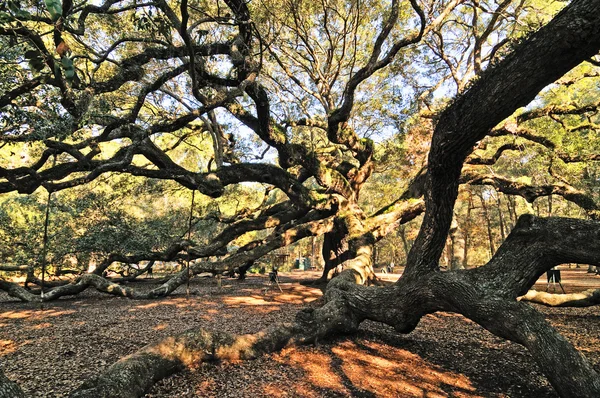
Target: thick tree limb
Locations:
point(313, 224)
point(558, 110)
point(532, 192)
point(14, 268)
point(569, 39)
point(586, 298)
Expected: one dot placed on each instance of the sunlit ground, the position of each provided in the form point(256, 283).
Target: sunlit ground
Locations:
point(52, 350)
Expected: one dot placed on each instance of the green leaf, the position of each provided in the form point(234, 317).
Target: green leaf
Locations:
point(14, 7)
point(67, 64)
point(6, 17)
point(54, 8)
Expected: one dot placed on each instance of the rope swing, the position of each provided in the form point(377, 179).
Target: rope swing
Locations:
point(45, 237)
point(189, 240)
point(45, 241)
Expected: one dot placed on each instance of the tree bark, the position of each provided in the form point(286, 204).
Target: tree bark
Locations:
point(9, 389)
point(487, 294)
point(335, 250)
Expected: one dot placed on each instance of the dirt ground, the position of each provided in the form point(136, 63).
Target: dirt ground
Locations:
point(51, 350)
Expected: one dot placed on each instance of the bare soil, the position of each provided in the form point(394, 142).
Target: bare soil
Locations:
point(51, 350)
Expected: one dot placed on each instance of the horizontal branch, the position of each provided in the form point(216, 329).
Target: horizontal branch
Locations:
point(586, 298)
point(532, 192)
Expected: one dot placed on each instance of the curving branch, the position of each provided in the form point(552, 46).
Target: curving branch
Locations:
point(532, 192)
point(475, 160)
point(558, 110)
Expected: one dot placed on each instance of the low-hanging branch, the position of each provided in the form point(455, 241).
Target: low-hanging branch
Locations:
point(532, 192)
point(587, 298)
point(314, 225)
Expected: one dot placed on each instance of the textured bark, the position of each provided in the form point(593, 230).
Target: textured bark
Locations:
point(9, 389)
point(487, 295)
point(133, 375)
point(335, 251)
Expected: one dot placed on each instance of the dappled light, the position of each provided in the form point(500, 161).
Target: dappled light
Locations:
point(383, 366)
point(391, 370)
point(318, 367)
point(7, 347)
point(35, 315)
point(367, 367)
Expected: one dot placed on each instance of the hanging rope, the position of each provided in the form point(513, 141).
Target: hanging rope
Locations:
point(45, 237)
point(45, 241)
point(190, 239)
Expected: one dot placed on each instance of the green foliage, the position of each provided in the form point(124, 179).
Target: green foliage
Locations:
point(54, 8)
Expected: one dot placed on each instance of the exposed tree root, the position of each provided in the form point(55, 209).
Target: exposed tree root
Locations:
point(133, 375)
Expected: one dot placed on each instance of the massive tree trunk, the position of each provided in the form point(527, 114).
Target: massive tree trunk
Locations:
point(335, 250)
point(338, 246)
point(486, 294)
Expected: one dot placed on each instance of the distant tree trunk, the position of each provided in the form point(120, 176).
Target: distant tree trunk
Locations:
point(500, 216)
point(467, 231)
point(549, 205)
point(486, 215)
point(375, 255)
point(457, 247)
point(512, 210)
point(405, 245)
